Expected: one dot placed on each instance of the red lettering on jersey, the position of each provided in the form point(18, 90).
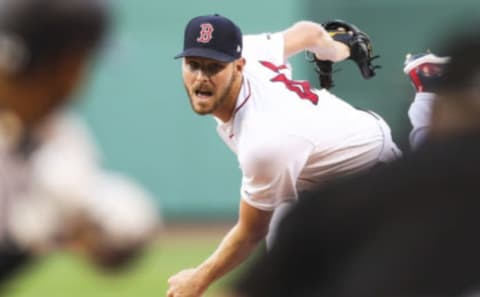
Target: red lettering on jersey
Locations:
point(205, 33)
point(301, 88)
point(273, 67)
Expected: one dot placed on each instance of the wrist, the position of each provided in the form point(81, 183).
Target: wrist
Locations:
point(342, 51)
point(204, 275)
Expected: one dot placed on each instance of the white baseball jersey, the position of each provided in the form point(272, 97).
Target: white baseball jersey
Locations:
point(289, 137)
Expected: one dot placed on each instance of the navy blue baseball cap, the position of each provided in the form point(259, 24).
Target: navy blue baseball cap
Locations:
point(214, 37)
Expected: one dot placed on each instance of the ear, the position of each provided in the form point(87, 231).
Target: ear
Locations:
point(240, 64)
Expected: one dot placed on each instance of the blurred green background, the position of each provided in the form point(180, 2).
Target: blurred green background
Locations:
point(137, 109)
point(139, 113)
point(61, 274)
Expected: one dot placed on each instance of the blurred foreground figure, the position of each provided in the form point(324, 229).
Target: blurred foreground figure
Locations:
point(409, 228)
point(52, 192)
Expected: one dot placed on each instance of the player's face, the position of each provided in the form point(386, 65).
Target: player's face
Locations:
point(209, 85)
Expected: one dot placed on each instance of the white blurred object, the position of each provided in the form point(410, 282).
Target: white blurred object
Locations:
point(67, 163)
point(68, 185)
point(123, 209)
point(34, 222)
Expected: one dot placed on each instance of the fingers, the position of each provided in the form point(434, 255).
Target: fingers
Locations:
point(185, 284)
point(171, 293)
point(171, 286)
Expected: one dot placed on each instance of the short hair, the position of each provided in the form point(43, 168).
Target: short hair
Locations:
point(35, 32)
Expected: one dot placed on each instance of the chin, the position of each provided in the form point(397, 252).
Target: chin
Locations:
point(202, 111)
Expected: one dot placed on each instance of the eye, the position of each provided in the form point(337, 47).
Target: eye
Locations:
point(193, 65)
point(214, 68)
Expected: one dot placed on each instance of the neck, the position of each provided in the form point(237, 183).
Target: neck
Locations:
point(226, 113)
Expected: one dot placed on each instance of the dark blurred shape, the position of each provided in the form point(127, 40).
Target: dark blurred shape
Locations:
point(463, 72)
point(13, 260)
point(116, 259)
point(45, 29)
point(406, 229)
point(45, 49)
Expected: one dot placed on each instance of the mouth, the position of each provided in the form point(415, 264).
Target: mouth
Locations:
point(204, 94)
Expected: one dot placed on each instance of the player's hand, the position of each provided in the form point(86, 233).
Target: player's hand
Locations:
point(186, 283)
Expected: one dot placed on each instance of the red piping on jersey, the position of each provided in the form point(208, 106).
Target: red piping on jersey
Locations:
point(243, 102)
point(245, 99)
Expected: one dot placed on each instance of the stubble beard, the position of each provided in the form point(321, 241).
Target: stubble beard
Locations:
point(221, 100)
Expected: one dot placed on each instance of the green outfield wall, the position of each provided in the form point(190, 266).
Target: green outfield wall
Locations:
point(141, 118)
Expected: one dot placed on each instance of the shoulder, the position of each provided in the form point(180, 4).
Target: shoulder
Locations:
point(265, 37)
point(267, 46)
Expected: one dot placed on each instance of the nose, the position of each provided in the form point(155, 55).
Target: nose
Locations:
point(200, 75)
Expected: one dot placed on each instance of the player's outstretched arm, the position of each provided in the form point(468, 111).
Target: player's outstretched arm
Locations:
point(307, 35)
point(236, 246)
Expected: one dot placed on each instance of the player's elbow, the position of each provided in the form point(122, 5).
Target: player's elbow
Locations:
point(253, 224)
point(303, 35)
point(310, 32)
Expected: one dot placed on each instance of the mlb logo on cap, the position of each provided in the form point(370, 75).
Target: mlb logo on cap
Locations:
point(214, 37)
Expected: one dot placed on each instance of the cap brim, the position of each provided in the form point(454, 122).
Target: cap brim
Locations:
point(206, 53)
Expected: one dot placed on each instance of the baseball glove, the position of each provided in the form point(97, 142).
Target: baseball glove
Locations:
point(360, 46)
